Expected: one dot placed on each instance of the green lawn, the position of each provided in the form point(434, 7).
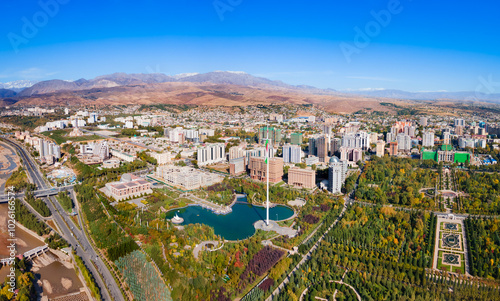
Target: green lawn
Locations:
point(60, 136)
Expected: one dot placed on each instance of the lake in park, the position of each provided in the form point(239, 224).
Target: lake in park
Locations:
point(233, 226)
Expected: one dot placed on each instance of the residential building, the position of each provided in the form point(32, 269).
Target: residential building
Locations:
point(404, 142)
point(311, 160)
point(313, 151)
point(186, 178)
point(335, 145)
point(291, 154)
point(122, 156)
point(211, 153)
point(337, 171)
point(428, 139)
point(459, 122)
point(237, 152)
point(356, 140)
point(446, 138)
point(423, 121)
point(161, 158)
point(380, 148)
point(296, 138)
point(274, 135)
point(393, 148)
point(323, 143)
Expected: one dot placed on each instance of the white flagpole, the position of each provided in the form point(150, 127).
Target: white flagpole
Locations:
point(267, 176)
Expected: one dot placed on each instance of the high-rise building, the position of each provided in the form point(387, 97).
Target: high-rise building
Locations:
point(393, 148)
point(313, 151)
point(211, 153)
point(274, 135)
point(259, 152)
point(322, 146)
point(380, 148)
point(446, 138)
point(302, 178)
point(459, 130)
point(404, 142)
point(236, 152)
point(258, 169)
point(356, 140)
point(409, 130)
point(428, 139)
point(291, 154)
point(459, 122)
point(276, 117)
point(296, 138)
point(423, 121)
point(337, 171)
point(390, 137)
point(335, 145)
point(357, 155)
point(93, 117)
point(327, 129)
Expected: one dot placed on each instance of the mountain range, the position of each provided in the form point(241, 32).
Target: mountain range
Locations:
point(438, 95)
point(212, 88)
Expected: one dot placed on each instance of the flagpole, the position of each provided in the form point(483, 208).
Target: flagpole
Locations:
point(267, 175)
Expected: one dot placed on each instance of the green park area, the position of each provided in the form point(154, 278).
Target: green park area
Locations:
point(62, 136)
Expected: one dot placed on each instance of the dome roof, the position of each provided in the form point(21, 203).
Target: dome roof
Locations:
point(334, 159)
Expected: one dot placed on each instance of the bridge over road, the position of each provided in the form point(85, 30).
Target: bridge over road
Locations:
point(41, 193)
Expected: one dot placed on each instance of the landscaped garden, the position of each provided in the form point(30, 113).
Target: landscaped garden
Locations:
point(398, 181)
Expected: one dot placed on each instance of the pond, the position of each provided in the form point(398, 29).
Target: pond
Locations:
point(236, 225)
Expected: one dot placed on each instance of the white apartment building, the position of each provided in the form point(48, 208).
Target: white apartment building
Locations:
point(186, 177)
point(291, 154)
point(236, 152)
point(356, 140)
point(161, 158)
point(211, 153)
point(404, 142)
point(428, 139)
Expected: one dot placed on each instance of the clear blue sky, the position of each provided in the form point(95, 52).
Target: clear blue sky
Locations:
point(426, 45)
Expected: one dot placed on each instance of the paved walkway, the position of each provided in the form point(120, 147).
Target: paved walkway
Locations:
point(202, 245)
point(273, 226)
point(463, 242)
point(306, 257)
point(341, 281)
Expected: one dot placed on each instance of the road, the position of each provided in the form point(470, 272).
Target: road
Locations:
point(104, 280)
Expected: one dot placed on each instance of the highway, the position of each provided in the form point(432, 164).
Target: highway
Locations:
point(76, 238)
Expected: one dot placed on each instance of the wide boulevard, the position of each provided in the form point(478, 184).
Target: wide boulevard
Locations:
point(75, 237)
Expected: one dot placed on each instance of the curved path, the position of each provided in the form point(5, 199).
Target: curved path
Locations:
point(307, 256)
point(341, 281)
point(200, 246)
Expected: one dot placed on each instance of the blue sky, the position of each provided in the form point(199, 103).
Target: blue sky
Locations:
point(418, 45)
